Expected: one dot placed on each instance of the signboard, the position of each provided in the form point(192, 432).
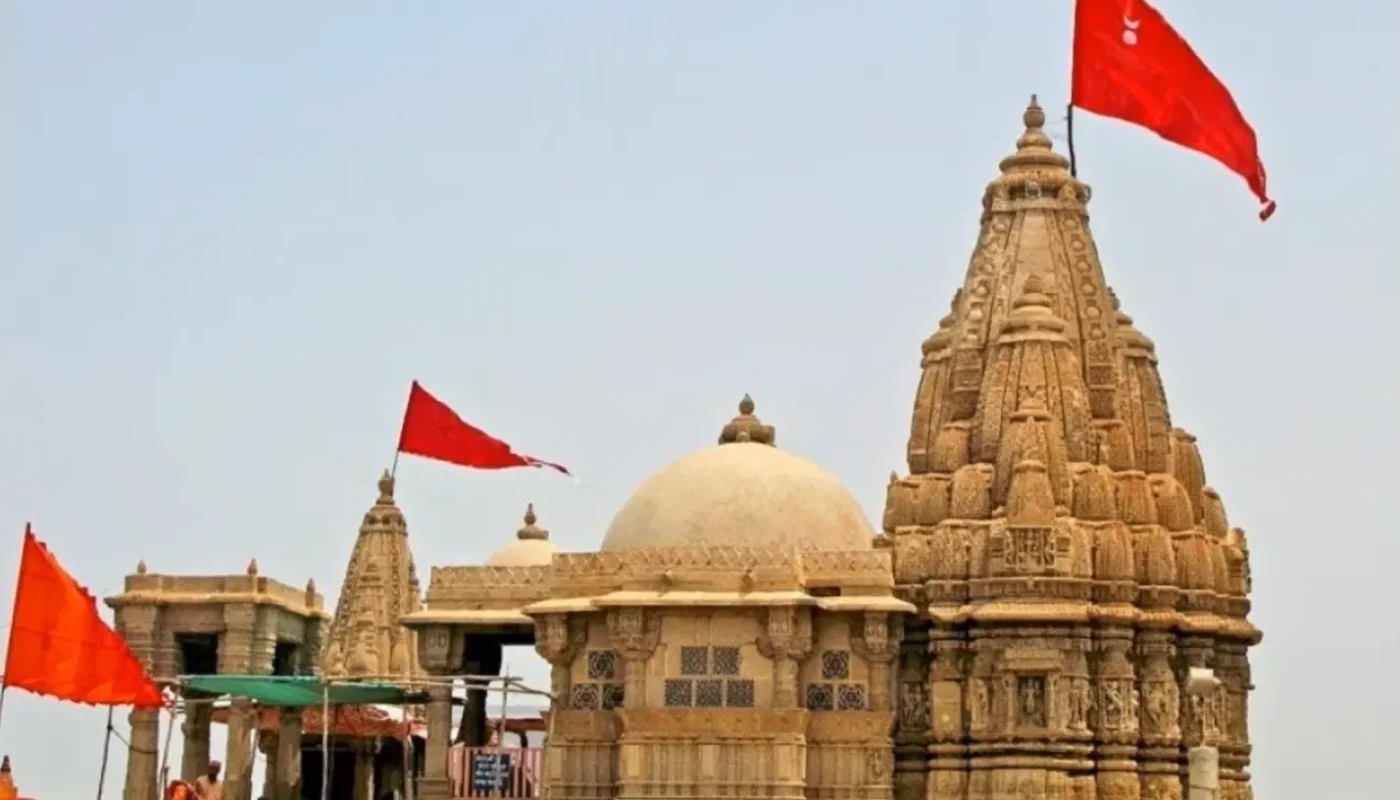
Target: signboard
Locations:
point(491, 772)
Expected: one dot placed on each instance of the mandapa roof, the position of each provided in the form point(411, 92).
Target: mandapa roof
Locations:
point(300, 690)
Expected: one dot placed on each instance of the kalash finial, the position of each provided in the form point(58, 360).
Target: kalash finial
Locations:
point(531, 531)
point(386, 487)
point(746, 427)
point(1034, 116)
point(1034, 149)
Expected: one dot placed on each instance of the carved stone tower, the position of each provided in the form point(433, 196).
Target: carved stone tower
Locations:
point(1058, 533)
point(381, 586)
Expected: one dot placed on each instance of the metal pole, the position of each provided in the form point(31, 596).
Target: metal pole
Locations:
point(165, 752)
point(325, 740)
point(1069, 134)
point(106, 748)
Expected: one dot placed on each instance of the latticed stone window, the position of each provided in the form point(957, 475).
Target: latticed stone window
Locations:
point(603, 689)
point(705, 680)
point(836, 691)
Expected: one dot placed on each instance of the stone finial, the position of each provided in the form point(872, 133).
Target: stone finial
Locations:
point(531, 531)
point(253, 568)
point(141, 567)
point(1034, 150)
point(746, 427)
point(386, 487)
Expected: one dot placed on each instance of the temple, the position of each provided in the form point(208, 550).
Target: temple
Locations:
point(1050, 579)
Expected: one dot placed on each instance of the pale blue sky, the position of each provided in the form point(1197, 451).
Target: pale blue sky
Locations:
point(236, 232)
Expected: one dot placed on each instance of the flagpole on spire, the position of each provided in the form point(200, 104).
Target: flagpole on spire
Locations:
point(1069, 136)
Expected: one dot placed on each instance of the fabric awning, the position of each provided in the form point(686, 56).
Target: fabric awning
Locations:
point(300, 690)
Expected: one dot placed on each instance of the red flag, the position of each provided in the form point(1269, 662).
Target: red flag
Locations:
point(1130, 64)
point(59, 645)
point(433, 430)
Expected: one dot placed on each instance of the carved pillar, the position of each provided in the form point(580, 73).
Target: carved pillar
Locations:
point(287, 782)
point(435, 785)
point(434, 654)
point(198, 712)
point(950, 708)
point(558, 640)
point(140, 625)
point(875, 637)
point(238, 762)
point(267, 745)
point(1159, 759)
point(912, 726)
point(635, 634)
point(786, 640)
point(236, 658)
point(143, 756)
point(1115, 719)
point(1232, 668)
point(364, 770)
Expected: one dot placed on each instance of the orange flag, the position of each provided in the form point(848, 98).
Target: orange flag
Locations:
point(61, 647)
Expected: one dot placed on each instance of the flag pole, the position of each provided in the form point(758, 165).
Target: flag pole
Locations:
point(398, 448)
point(106, 748)
point(3, 689)
point(1069, 134)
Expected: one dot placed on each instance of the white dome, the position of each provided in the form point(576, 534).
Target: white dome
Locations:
point(531, 546)
point(523, 553)
point(741, 494)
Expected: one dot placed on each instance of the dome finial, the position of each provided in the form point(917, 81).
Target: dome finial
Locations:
point(386, 487)
point(746, 427)
point(531, 531)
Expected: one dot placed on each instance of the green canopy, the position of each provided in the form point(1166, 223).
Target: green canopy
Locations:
point(299, 690)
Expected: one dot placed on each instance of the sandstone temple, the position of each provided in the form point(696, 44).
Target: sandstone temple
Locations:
point(1049, 575)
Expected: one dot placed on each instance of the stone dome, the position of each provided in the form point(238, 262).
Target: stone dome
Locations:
point(531, 547)
point(741, 493)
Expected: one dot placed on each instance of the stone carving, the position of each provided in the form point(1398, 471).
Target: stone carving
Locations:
point(913, 706)
point(1032, 707)
point(979, 705)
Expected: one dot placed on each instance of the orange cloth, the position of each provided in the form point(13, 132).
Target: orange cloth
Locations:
point(61, 647)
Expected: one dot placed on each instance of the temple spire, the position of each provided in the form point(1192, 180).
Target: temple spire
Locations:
point(381, 585)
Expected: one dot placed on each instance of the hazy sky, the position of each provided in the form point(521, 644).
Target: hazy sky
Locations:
point(236, 231)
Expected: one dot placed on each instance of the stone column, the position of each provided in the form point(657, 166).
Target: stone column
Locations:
point(139, 626)
point(787, 639)
point(267, 745)
point(1116, 721)
point(635, 634)
point(911, 731)
point(1160, 712)
point(949, 711)
point(238, 762)
point(557, 640)
point(287, 783)
point(875, 637)
point(143, 756)
point(435, 784)
point(364, 770)
point(195, 760)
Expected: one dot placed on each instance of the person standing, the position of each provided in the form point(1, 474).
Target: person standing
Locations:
point(208, 786)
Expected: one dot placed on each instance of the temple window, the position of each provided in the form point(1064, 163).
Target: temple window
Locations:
point(836, 691)
point(603, 689)
point(709, 679)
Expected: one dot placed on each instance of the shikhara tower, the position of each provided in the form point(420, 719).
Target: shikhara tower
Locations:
point(1058, 533)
